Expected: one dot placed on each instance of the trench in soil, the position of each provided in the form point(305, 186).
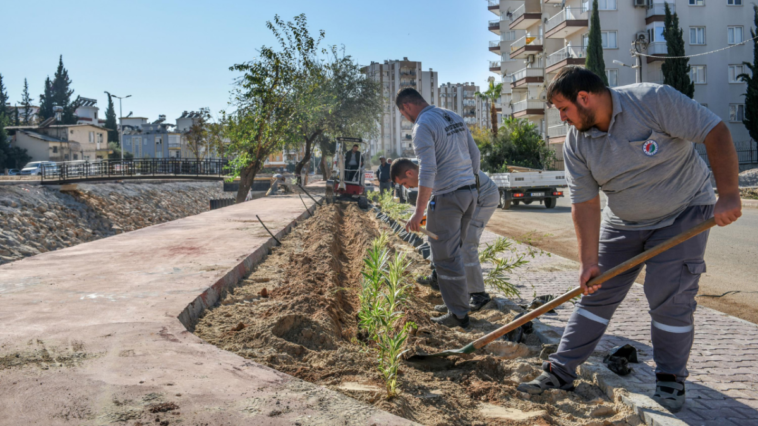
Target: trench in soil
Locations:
point(297, 312)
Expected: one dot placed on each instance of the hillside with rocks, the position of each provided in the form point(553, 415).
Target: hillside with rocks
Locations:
point(35, 219)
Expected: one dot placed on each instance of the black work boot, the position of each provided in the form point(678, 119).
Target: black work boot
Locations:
point(450, 320)
point(430, 280)
point(478, 300)
point(546, 380)
point(668, 392)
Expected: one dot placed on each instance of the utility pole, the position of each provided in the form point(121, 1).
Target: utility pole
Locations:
point(120, 124)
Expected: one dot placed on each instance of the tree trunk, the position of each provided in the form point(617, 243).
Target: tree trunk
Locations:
point(247, 177)
point(493, 118)
point(307, 156)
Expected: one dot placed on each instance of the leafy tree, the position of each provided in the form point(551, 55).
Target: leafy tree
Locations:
point(204, 136)
point(110, 121)
point(751, 96)
point(676, 72)
point(17, 158)
point(115, 152)
point(46, 101)
point(26, 104)
point(595, 62)
point(265, 98)
point(340, 102)
point(517, 144)
point(493, 93)
point(4, 110)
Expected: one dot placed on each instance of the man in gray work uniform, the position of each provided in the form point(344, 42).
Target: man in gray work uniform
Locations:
point(448, 164)
point(489, 198)
point(634, 142)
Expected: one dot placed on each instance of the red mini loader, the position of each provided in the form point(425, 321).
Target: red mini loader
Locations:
point(347, 184)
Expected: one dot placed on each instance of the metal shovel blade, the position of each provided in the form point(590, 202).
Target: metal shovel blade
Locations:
point(464, 350)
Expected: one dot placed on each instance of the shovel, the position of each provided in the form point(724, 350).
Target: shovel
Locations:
point(636, 260)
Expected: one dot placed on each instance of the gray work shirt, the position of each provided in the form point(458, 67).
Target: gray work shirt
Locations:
point(645, 164)
point(448, 156)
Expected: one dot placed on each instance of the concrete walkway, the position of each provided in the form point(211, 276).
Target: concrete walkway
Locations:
point(723, 385)
point(98, 333)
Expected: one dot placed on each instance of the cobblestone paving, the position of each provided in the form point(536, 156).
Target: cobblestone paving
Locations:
point(723, 385)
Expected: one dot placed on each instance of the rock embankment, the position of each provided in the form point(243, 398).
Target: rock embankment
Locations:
point(35, 219)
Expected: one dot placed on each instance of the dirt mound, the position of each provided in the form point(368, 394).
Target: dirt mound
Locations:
point(749, 177)
point(307, 327)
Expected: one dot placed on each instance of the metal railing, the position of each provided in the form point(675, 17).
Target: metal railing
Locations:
point(493, 3)
point(657, 48)
point(566, 53)
point(527, 72)
point(494, 23)
point(140, 168)
point(495, 43)
point(657, 8)
point(518, 12)
point(494, 64)
point(748, 155)
point(523, 41)
point(557, 131)
point(567, 14)
point(527, 104)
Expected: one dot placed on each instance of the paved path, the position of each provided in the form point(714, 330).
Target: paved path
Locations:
point(723, 385)
point(98, 333)
point(730, 254)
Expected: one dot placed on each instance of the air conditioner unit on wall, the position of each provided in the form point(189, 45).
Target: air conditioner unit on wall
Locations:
point(640, 3)
point(641, 36)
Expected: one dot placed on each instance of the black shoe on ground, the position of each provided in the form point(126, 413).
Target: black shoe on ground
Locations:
point(450, 320)
point(546, 380)
point(478, 300)
point(669, 393)
point(426, 279)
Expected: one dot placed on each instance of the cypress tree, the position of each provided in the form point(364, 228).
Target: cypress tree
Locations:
point(4, 148)
point(4, 110)
point(62, 93)
point(751, 96)
point(26, 103)
point(46, 101)
point(676, 72)
point(110, 121)
point(595, 62)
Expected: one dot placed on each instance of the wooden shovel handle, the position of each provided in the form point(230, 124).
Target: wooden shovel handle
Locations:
point(629, 264)
point(429, 234)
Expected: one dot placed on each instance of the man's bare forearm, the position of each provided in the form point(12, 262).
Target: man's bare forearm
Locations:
point(424, 192)
point(723, 158)
point(586, 217)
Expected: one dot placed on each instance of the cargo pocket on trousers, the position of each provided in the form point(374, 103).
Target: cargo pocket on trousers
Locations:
point(688, 282)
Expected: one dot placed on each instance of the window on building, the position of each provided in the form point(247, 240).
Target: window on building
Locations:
point(734, 71)
point(91, 137)
point(613, 77)
point(55, 150)
point(734, 35)
point(736, 113)
point(734, 2)
point(609, 39)
point(656, 32)
point(697, 2)
point(697, 35)
point(76, 156)
point(99, 138)
point(601, 5)
point(697, 74)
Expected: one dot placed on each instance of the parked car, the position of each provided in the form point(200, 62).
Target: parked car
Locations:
point(35, 167)
point(13, 172)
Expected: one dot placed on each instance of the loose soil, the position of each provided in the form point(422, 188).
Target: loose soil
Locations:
point(297, 313)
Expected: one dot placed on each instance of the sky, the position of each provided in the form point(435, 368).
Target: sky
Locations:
point(174, 56)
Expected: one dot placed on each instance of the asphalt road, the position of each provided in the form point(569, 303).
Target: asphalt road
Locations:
point(731, 255)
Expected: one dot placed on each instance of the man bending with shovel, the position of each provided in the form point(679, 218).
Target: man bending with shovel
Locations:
point(634, 143)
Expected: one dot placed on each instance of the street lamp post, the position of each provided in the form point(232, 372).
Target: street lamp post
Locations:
point(121, 125)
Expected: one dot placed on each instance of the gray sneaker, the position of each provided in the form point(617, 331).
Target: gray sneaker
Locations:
point(478, 300)
point(452, 321)
point(670, 395)
point(543, 382)
point(440, 308)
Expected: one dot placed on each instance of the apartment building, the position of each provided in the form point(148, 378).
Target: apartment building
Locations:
point(394, 133)
point(461, 98)
point(538, 38)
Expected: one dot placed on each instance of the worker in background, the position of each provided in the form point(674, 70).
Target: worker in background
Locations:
point(383, 175)
point(276, 180)
point(488, 200)
point(447, 182)
point(352, 164)
point(635, 142)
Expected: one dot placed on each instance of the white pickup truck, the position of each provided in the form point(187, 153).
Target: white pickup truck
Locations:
point(527, 186)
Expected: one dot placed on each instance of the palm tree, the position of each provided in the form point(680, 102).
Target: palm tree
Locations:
point(492, 94)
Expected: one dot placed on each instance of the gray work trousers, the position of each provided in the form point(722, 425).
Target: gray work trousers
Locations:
point(671, 283)
point(450, 219)
point(385, 186)
point(485, 208)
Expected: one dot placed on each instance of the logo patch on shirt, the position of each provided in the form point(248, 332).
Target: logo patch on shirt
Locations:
point(650, 148)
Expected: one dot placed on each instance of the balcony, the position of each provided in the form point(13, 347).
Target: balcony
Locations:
point(528, 108)
point(526, 76)
point(495, 67)
point(494, 6)
point(557, 133)
point(659, 51)
point(569, 55)
point(656, 12)
point(494, 26)
point(526, 15)
point(566, 22)
point(495, 46)
point(525, 46)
